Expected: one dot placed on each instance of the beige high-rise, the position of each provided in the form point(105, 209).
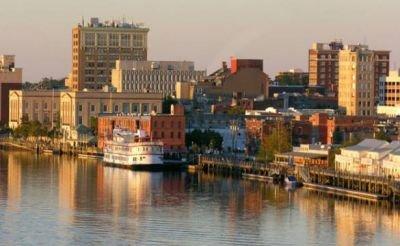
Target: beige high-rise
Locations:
point(356, 80)
point(96, 46)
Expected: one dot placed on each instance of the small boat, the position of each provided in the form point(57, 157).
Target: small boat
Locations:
point(291, 181)
point(133, 150)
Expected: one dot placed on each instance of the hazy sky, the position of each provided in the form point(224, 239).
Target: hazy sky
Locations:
point(205, 31)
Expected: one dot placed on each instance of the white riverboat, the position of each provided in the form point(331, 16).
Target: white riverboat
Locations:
point(132, 150)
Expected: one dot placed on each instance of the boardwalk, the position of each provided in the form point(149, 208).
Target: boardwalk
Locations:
point(234, 165)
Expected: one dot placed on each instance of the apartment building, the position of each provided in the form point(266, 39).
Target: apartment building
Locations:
point(357, 80)
point(153, 76)
point(97, 45)
point(323, 65)
point(10, 79)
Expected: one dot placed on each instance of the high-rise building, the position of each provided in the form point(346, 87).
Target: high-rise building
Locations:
point(97, 45)
point(10, 79)
point(357, 80)
point(323, 65)
point(389, 89)
point(153, 76)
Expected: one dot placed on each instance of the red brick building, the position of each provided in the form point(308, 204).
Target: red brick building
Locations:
point(326, 126)
point(168, 128)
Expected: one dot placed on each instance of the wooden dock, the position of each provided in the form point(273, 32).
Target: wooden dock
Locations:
point(325, 179)
point(345, 192)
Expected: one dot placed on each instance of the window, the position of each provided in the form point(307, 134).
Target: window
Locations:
point(114, 39)
point(80, 120)
point(101, 39)
point(125, 40)
point(116, 108)
point(125, 108)
point(104, 108)
point(89, 39)
point(80, 107)
point(162, 134)
point(145, 108)
point(92, 108)
point(172, 135)
point(179, 135)
point(134, 108)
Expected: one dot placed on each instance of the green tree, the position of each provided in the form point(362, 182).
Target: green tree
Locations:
point(94, 125)
point(204, 139)
point(381, 135)
point(279, 141)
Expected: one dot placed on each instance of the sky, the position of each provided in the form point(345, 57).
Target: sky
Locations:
point(204, 31)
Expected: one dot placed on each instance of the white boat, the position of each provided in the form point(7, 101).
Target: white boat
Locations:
point(130, 149)
point(291, 181)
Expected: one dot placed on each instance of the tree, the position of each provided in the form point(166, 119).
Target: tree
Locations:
point(166, 104)
point(204, 139)
point(94, 125)
point(277, 142)
point(381, 135)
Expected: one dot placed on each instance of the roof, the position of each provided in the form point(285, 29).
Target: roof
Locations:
point(367, 144)
point(304, 154)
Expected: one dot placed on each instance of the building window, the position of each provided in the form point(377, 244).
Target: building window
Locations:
point(92, 108)
point(89, 39)
point(145, 108)
point(101, 39)
point(104, 108)
point(80, 120)
point(162, 134)
point(134, 108)
point(125, 108)
point(172, 135)
point(116, 108)
point(80, 107)
point(179, 135)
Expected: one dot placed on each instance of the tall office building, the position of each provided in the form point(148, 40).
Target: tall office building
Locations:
point(153, 76)
point(323, 63)
point(97, 45)
point(357, 80)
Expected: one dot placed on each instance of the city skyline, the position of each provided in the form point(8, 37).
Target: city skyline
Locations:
point(204, 32)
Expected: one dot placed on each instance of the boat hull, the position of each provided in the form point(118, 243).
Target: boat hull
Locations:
point(147, 167)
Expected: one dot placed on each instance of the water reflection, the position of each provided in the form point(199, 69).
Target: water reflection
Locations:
point(80, 200)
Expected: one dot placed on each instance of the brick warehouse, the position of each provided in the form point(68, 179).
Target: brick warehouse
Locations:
point(168, 128)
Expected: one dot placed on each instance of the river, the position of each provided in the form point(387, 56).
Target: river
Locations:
point(67, 201)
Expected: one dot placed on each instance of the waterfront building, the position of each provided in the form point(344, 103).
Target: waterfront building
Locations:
point(305, 155)
point(368, 156)
point(97, 45)
point(79, 108)
point(336, 129)
point(168, 128)
point(153, 76)
point(245, 76)
point(42, 106)
point(10, 79)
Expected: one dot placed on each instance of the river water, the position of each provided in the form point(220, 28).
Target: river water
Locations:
point(67, 201)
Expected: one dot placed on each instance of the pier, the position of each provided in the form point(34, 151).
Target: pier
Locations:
point(324, 179)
